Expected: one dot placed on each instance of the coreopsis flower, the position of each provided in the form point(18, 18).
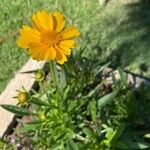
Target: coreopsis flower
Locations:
point(47, 39)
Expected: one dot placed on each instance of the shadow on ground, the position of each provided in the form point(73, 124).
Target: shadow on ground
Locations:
point(127, 39)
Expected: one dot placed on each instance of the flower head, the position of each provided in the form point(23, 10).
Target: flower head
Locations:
point(47, 39)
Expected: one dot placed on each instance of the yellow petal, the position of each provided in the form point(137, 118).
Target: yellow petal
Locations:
point(28, 35)
point(22, 43)
point(67, 43)
point(70, 32)
point(63, 60)
point(39, 52)
point(65, 50)
point(59, 20)
point(43, 20)
point(60, 57)
point(50, 54)
point(35, 53)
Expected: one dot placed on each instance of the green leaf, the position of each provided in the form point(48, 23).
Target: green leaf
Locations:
point(147, 135)
point(120, 145)
point(106, 99)
point(48, 96)
point(113, 135)
point(66, 91)
point(70, 133)
point(117, 133)
point(27, 127)
point(37, 122)
point(93, 91)
point(102, 68)
point(2, 143)
point(37, 101)
point(123, 76)
point(71, 145)
point(109, 134)
point(17, 110)
point(89, 132)
point(72, 105)
point(93, 110)
point(137, 145)
point(61, 136)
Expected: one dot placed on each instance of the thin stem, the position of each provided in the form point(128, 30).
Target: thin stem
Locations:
point(54, 78)
point(53, 74)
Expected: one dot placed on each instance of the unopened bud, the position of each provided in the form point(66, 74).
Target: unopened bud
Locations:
point(42, 116)
point(39, 75)
point(23, 97)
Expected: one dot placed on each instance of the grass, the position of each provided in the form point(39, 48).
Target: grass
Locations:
point(117, 33)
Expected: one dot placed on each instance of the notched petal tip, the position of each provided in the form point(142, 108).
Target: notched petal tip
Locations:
point(42, 20)
point(21, 43)
point(70, 32)
point(59, 22)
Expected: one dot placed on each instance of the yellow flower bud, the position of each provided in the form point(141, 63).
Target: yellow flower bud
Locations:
point(39, 75)
point(23, 97)
point(42, 116)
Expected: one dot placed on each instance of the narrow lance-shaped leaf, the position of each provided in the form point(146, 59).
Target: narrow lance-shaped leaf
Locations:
point(37, 101)
point(71, 145)
point(93, 91)
point(17, 110)
point(66, 91)
point(117, 133)
point(48, 95)
point(101, 68)
point(93, 110)
point(137, 145)
point(106, 99)
point(89, 132)
point(120, 145)
point(72, 105)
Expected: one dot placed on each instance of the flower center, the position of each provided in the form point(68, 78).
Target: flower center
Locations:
point(50, 38)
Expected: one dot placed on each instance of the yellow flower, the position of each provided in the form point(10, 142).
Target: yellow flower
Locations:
point(47, 39)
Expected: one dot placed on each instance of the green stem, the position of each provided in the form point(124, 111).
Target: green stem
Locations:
point(53, 74)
